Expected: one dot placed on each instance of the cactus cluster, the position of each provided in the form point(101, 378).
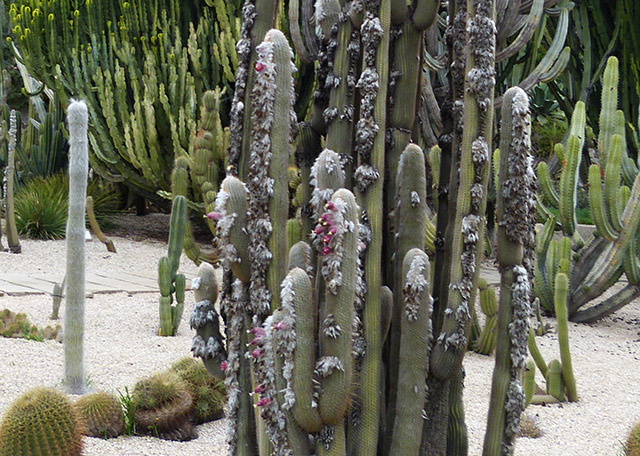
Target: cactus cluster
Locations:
point(41, 422)
point(207, 392)
point(614, 192)
point(353, 336)
point(14, 324)
point(172, 285)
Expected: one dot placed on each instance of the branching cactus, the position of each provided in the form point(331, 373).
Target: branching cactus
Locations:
point(594, 267)
point(172, 285)
point(78, 119)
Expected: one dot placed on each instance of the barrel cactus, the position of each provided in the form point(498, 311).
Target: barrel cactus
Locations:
point(101, 414)
point(207, 392)
point(42, 422)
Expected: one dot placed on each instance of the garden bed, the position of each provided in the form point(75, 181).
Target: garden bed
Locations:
point(122, 347)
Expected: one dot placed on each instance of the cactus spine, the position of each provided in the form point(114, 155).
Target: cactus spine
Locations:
point(78, 118)
point(172, 285)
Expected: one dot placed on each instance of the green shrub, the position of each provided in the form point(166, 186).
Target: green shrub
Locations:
point(41, 206)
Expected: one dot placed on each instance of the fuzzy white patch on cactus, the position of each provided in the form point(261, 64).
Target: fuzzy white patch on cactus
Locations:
point(284, 332)
point(327, 364)
point(414, 285)
point(202, 314)
point(325, 437)
point(480, 151)
point(365, 175)
point(325, 170)
point(330, 328)
point(415, 199)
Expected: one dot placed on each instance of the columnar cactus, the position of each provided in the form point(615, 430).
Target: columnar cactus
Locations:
point(328, 341)
point(172, 285)
point(10, 215)
point(78, 119)
point(594, 267)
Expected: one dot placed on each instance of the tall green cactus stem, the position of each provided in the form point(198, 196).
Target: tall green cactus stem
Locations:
point(486, 342)
point(172, 285)
point(471, 191)
point(272, 119)
point(13, 242)
point(208, 343)
point(339, 269)
point(258, 17)
point(457, 435)
point(410, 214)
point(529, 382)
point(555, 383)
point(609, 103)
point(370, 146)
point(562, 288)
point(78, 118)
point(515, 207)
point(413, 361)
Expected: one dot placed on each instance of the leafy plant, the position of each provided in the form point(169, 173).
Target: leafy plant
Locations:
point(128, 407)
point(41, 205)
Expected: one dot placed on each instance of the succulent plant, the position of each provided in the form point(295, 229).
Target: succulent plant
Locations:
point(208, 393)
point(41, 422)
point(101, 414)
point(162, 403)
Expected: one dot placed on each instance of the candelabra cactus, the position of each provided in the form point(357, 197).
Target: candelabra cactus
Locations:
point(78, 119)
point(594, 267)
point(172, 285)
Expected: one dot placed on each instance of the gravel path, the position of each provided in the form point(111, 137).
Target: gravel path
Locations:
point(121, 347)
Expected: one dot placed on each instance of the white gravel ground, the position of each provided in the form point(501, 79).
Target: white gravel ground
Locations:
point(122, 346)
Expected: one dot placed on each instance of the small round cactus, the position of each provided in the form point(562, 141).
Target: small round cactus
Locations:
point(162, 404)
point(208, 393)
point(41, 422)
point(101, 414)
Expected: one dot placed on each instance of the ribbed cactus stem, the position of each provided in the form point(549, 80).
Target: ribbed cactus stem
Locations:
point(612, 180)
point(597, 204)
point(339, 269)
point(296, 295)
point(172, 285)
point(413, 360)
point(609, 103)
point(78, 119)
point(486, 342)
point(568, 185)
point(231, 210)
point(546, 184)
point(529, 382)
point(562, 288)
point(515, 200)
point(555, 383)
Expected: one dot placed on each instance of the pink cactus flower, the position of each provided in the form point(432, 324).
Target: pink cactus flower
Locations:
point(264, 401)
point(215, 215)
point(223, 366)
point(331, 206)
point(256, 353)
point(259, 66)
point(326, 250)
point(259, 389)
point(326, 239)
point(280, 325)
point(258, 331)
point(318, 229)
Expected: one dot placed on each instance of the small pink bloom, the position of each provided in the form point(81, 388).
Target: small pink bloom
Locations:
point(215, 215)
point(318, 229)
point(331, 206)
point(256, 353)
point(361, 245)
point(264, 401)
point(326, 250)
point(326, 239)
point(258, 331)
point(326, 217)
point(259, 66)
point(280, 325)
point(223, 366)
point(259, 389)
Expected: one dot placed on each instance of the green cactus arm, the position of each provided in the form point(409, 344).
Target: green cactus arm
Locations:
point(629, 171)
point(555, 383)
point(529, 382)
point(610, 305)
point(526, 32)
point(546, 185)
point(535, 353)
point(612, 180)
point(486, 342)
point(631, 264)
point(231, 206)
point(177, 224)
point(339, 267)
point(414, 349)
point(562, 288)
point(624, 193)
point(434, 164)
point(609, 103)
point(609, 263)
point(297, 292)
point(568, 185)
point(541, 285)
point(425, 13)
point(597, 204)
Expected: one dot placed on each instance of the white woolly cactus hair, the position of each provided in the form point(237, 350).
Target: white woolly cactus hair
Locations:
point(415, 284)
